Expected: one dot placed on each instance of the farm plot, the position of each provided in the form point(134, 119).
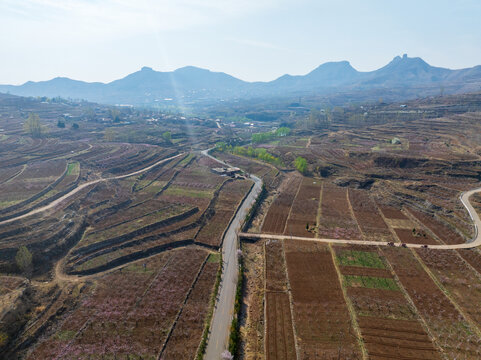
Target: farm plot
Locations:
point(370, 221)
point(462, 282)
point(392, 213)
point(182, 213)
point(7, 174)
point(406, 339)
point(224, 207)
point(253, 337)
point(185, 338)
point(454, 334)
point(444, 233)
point(336, 220)
point(275, 267)
point(128, 313)
point(303, 216)
point(85, 263)
point(275, 220)
point(279, 336)
point(414, 236)
point(279, 340)
point(323, 325)
point(389, 325)
point(47, 239)
point(31, 181)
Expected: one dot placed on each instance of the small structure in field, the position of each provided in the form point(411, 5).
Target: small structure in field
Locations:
point(229, 171)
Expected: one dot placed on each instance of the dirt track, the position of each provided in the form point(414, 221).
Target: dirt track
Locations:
point(83, 186)
point(475, 242)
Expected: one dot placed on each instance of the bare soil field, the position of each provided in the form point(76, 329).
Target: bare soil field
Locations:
point(453, 332)
point(321, 316)
point(276, 217)
point(303, 216)
point(336, 220)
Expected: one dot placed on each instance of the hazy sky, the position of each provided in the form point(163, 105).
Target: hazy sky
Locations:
point(96, 40)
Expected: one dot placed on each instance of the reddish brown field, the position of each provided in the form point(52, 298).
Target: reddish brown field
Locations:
point(336, 220)
point(454, 335)
point(419, 237)
point(392, 213)
point(279, 340)
point(304, 209)
point(388, 323)
point(396, 339)
point(230, 197)
point(279, 334)
point(367, 215)
point(129, 313)
point(446, 234)
point(211, 233)
point(275, 220)
point(462, 282)
point(186, 335)
point(275, 266)
point(321, 315)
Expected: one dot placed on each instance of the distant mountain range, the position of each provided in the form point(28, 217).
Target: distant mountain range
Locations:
point(407, 77)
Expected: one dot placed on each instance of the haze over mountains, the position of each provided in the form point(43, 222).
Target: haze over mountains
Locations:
point(404, 76)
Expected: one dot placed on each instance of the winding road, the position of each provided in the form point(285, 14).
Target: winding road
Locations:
point(83, 186)
point(223, 312)
point(224, 308)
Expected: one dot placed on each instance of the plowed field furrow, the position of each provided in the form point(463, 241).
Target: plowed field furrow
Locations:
point(321, 315)
point(452, 331)
point(275, 220)
point(279, 333)
point(304, 210)
point(275, 266)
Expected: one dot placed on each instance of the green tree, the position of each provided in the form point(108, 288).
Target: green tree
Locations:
point(283, 131)
point(167, 136)
point(221, 146)
point(23, 259)
point(33, 126)
point(301, 164)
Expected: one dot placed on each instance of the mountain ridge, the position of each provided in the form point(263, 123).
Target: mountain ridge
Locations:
point(193, 84)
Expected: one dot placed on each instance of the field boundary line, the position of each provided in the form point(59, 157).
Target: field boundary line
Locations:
point(319, 210)
point(291, 306)
point(353, 214)
point(388, 224)
point(447, 294)
point(35, 196)
point(290, 208)
point(352, 313)
point(83, 186)
point(438, 239)
point(411, 303)
point(179, 313)
point(24, 166)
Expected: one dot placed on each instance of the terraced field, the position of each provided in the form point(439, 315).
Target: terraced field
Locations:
point(127, 266)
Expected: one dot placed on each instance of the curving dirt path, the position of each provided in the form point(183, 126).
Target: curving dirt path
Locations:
point(83, 186)
point(474, 242)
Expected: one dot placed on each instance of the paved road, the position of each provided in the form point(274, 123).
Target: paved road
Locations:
point(474, 242)
point(83, 186)
point(223, 312)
